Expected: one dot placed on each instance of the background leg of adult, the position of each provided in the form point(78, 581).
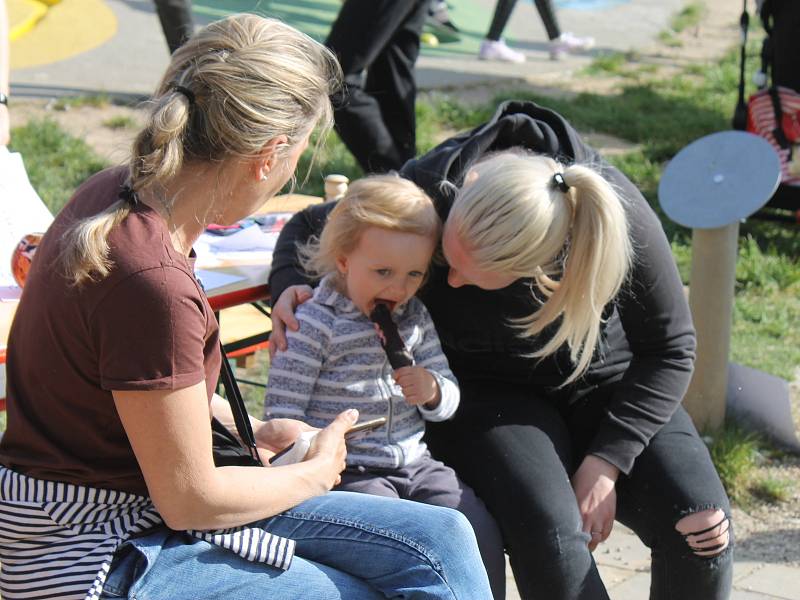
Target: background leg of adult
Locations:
point(176, 21)
point(514, 450)
point(402, 548)
point(672, 478)
point(548, 15)
point(786, 23)
point(390, 80)
point(432, 482)
point(178, 566)
point(362, 31)
point(502, 13)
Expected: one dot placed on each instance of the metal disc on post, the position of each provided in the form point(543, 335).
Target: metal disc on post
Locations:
point(719, 179)
point(710, 186)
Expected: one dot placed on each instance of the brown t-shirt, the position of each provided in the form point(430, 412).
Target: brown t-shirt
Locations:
point(147, 326)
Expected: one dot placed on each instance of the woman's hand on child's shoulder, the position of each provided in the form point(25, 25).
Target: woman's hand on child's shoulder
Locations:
point(283, 315)
point(419, 386)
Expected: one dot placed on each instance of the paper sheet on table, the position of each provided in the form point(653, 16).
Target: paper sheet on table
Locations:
point(213, 280)
point(247, 239)
point(21, 210)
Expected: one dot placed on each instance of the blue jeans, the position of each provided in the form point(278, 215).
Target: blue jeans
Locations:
point(349, 546)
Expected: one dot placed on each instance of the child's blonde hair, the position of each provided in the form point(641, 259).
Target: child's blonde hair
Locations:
point(231, 88)
point(513, 219)
point(386, 201)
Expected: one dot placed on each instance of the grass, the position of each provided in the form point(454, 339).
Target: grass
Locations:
point(94, 100)
point(609, 63)
point(736, 453)
point(772, 490)
point(120, 122)
point(56, 162)
point(689, 16)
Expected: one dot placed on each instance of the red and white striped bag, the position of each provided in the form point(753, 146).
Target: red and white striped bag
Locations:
point(768, 108)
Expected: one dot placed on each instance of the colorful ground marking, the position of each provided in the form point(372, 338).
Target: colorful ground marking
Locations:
point(69, 28)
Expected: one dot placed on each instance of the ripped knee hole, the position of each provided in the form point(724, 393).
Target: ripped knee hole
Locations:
point(702, 539)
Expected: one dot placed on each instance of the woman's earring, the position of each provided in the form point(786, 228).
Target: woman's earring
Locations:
point(264, 177)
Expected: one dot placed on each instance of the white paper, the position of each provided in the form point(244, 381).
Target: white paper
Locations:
point(21, 210)
point(247, 239)
point(213, 280)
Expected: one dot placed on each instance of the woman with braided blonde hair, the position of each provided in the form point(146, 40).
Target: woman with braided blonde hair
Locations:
point(561, 313)
point(108, 484)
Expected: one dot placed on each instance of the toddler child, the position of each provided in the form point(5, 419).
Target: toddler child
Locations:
point(376, 248)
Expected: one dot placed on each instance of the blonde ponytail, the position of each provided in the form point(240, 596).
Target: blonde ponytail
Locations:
point(233, 87)
point(575, 245)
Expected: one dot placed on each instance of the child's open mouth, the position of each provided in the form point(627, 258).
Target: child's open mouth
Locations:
point(390, 304)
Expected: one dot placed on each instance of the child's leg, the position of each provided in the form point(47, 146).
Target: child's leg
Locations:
point(367, 482)
point(433, 482)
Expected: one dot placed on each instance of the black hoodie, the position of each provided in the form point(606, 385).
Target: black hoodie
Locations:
point(647, 343)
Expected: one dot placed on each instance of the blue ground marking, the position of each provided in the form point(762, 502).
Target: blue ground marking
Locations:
point(589, 4)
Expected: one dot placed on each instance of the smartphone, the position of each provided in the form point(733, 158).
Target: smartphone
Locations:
point(357, 428)
point(365, 426)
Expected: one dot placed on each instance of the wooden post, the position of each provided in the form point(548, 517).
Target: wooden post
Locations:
point(335, 186)
point(711, 288)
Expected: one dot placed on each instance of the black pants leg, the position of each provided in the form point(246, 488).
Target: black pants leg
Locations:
point(502, 13)
point(375, 115)
point(786, 48)
point(176, 21)
point(673, 477)
point(518, 451)
point(504, 8)
point(548, 15)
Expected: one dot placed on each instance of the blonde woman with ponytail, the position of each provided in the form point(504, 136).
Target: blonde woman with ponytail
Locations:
point(562, 315)
point(108, 483)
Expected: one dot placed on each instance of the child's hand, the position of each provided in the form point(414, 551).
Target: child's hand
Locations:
point(276, 434)
point(419, 386)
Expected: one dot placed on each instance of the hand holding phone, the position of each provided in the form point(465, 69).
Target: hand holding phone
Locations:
point(364, 426)
point(296, 452)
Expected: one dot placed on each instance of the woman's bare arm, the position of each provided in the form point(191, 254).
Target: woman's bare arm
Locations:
point(170, 433)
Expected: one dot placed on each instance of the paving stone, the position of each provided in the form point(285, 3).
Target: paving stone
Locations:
point(778, 581)
point(624, 551)
point(613, 576)
point(744, 595)
point(742, 569)
point(633, 588)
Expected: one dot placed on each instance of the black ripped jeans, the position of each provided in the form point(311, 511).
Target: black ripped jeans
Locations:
point(518, 452)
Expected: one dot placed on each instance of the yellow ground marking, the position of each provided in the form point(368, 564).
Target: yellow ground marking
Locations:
point(69, 28)
point(22, 16)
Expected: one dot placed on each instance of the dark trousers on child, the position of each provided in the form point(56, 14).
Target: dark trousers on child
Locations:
point(377, 43)
point(518, 451)
point(431, 482)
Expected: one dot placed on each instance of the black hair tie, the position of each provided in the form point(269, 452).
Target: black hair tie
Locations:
point(186, 92)
point(128, 194)
point(558, 182)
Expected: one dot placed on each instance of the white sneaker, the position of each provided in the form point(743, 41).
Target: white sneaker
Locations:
point(497, 50)
point(567, 43)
